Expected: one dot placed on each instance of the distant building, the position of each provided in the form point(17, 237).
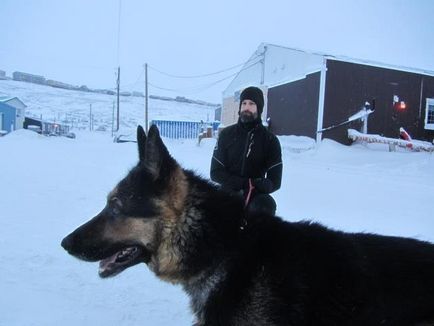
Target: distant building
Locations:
point(30, 78)
point(58, 84)
point(314, 94)
point(84, 88)
point(12, 112)
point(2, 74)
point(218, 113)
point(46, 127)
point(138, 94)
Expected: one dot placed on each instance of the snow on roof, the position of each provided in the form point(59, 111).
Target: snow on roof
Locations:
point(12, 101)
point(5, 99)
point(356, 60)
point(272, 65)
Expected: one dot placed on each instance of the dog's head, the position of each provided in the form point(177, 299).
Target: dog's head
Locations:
point(139, 212)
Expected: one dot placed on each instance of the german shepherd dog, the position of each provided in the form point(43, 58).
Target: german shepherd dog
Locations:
point(252, 269)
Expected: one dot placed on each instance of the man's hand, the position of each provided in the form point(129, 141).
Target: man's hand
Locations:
point(263, 185)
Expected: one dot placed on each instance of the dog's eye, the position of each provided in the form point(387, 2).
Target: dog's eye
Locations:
point(116, 205)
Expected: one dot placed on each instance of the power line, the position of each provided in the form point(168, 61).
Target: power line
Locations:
point(202, 87)
point(137, 80)
point(193, 88)
point(203, 75)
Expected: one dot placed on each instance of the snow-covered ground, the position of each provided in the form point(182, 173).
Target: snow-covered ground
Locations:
point(50, 185)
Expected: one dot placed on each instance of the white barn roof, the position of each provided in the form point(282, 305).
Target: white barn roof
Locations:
point(272, 65)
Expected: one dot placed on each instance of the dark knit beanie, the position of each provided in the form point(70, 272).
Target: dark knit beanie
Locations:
point(254, 94)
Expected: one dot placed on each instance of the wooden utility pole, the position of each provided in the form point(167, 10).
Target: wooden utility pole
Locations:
point(90, 117)
point(118, 82)
point(146, 97)
point(113, 118)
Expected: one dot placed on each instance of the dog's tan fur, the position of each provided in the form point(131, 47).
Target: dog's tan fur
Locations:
point(166, 261)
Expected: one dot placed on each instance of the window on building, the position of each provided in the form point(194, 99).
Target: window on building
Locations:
point(237, 96)
point(429, 114)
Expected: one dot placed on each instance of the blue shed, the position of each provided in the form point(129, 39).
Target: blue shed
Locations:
point(11, 113)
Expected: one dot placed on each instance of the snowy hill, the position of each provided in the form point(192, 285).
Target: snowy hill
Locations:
point(73, 107)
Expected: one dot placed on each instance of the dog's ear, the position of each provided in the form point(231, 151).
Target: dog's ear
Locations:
point(141, 143)
point(157, 155)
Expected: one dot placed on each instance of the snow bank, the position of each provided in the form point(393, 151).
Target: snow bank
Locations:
point(22, 134)
point(296, 144)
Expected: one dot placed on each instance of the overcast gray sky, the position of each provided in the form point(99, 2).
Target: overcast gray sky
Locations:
point(76, 41)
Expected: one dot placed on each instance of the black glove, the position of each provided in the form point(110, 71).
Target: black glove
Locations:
point(263, 185)
point(234, 184)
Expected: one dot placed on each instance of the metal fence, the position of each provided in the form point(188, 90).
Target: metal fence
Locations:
point(183, 129)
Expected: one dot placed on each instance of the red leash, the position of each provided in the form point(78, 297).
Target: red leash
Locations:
point(249, 194)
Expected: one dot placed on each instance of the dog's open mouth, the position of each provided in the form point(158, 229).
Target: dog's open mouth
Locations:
point(121, 260)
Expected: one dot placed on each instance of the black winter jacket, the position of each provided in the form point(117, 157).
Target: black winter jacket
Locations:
point(243, 153)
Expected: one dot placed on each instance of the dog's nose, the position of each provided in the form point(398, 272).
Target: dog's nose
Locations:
point(67, 242)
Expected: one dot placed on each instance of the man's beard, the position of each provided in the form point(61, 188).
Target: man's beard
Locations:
point(247, 116)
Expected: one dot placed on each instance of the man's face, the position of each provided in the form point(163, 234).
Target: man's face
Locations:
point(248, 111)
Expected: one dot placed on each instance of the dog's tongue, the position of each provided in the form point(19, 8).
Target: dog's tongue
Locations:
point(106, 265)
point(116, 263)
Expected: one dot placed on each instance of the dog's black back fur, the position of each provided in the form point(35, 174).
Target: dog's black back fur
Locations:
point(281, 273)
point(257, 269)
point(305, 274)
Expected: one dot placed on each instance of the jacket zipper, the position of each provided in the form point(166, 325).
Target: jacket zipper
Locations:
point(247, 150)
